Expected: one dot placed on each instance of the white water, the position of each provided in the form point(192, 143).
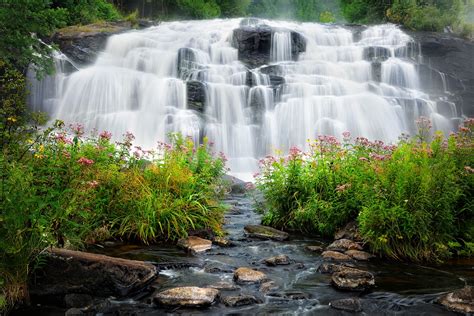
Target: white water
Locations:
point(135, 86)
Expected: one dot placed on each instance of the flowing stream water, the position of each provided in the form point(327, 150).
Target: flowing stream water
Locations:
point(364, 81)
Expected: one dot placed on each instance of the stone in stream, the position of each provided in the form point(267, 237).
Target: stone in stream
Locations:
point(347, 304)
point(291, 295)
point(318, 249)
point(359, 255)
point(330, 268)
point(68, 272)
point(352, 279)
point(335, 256)
point(222, 242)
point(195, 244)
point(343, 245)
point(350, 231)
point(461, 301)
point(268, 286)
point(277, 260)
point(247, 275)
point(188, 296)
point(224, 286)
point(265, 232)
point(240, 300)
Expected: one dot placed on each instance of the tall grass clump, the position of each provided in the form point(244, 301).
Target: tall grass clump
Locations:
point(413, 200)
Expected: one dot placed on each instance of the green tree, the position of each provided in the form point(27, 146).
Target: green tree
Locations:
point(200, 9)
point(233, 8)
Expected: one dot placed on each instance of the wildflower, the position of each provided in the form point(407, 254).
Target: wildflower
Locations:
point(105, 135)
point(469, 169)
point(250, 186)
point(363, 159)
point(256, 175)
point(92, 184)
point(346, 134)
point(343, 187)
point(77, 129)
point(85, 161)
point(12, 119)
point(61, 138)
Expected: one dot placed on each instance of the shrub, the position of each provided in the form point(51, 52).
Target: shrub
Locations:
point(411, 200)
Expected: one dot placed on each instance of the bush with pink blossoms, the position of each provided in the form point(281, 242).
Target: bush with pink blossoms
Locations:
point(413, 200)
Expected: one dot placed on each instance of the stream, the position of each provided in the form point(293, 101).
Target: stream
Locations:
point(401, 289)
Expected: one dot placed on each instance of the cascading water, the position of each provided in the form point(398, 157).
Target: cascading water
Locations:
point(365, 82)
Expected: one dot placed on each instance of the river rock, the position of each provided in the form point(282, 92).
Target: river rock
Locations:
point(222, 242)
point(330, 268)
point(343, 245)
point(195, 244)
point(291, 295)
point(347, 304)
point(75, 272)
point(336, 256)
point(278, 260)
point(461, 301)
point(350, 231)
point(265, 232)
point(74, 312)
point(240, 300)
point(359, 255)
point(225, 286)
point(352, 279)
point(189, 296)
point(268, 286)
point(318, 249)
point(247, 275)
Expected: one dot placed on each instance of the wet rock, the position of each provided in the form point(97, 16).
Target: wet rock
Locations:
point(461, 301)
point(265, 232)
point(268, 286)
point(77, 300)
point(74, 312)
point(350, 231)
point(359, 255)
point(195, 244)
point(272, 70)
point(317, 249)
point(376, 53)
point(347, 304)
point(240, 300)
point(330, 268)
point(247, 275)
point(218, 268)
point(222, 242)
point(343, 245)
point(352, 279)
point(225, 286)
point(82, 44)
point(254, 43)
point(189, 296)
point(196, 93)
point(336, 256)
point(278, 260)
point(75, 272)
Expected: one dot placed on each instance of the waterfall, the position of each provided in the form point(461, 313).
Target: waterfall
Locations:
point(362, 81)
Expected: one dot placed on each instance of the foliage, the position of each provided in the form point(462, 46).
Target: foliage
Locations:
point(412, 201)
point(233, 8)
point(87, 11)
point(201, 9)
point(70, 189)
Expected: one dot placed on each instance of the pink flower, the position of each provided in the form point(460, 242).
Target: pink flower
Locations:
point(85, 161)
point(343, 187)
point(363, 159)
point(92, 184)
point(346, 134)
point(105, 135)
point(250, 186)
point(61, 138)
point(469, 169)
point(77, 129)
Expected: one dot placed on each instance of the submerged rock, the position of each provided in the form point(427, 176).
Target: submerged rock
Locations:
point(247, 275)
point(226, 286)
point(352, 279)
point(336, 256)
point(85, 274)
point(347, 304)
point(461, 301)
point(265, 232)
point(343, 245)
point(359, 255)
point(277, 260)
point(291, 295)
point(330, 268)
point(315, 248)
point(240, 300)
point(268, 286)
point(189, 296)
point(195, 244)
point(222, 242)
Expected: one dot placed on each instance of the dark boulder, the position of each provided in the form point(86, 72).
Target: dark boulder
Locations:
point(196, 93)
point(351, 279)
point(347, 304)
point(240, 300)
point(82, 44)
point(254, 44)
point(87, 275)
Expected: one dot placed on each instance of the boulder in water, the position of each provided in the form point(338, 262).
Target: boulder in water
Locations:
point(318, 249)
point(224, 286)
point(240, 300)
point(359, 255)
point(352, 279)
point(343, 245)
point(188, 296)
point(460, 301)
point(247, 275)
point(277, 260)
point(335, 256)
point(222, 242)
point(347, 304)
point(196, 92)
point(265, 232)
point(268, 286)
point(195, 244)
point(330, 268)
